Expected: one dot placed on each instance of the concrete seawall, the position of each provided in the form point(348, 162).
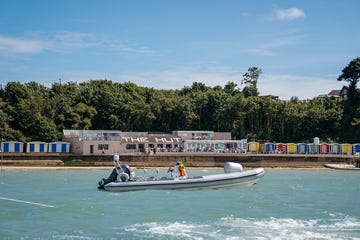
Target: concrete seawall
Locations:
point(190, 159)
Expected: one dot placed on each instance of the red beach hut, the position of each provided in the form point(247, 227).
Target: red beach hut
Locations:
point(324, 148)
point(281, 148)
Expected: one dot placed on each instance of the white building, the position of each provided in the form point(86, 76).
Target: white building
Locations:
point(109, 142)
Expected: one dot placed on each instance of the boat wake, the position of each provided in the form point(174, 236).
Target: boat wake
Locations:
point(336, 227)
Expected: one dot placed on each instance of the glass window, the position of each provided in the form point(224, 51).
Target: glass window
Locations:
point(103, 147)
point(131, 146)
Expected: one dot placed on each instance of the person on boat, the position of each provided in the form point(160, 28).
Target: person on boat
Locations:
point(182, 171)
point(178, 170)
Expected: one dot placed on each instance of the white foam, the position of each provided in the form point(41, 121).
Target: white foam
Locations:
point(287, 228)
point(72, 237)
point(237, 228)
point(178, 229)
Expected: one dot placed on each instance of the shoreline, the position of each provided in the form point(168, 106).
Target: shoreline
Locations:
point(165, 160)
point(82, 168)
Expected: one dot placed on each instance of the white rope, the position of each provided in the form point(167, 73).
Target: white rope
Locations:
point(21, 201)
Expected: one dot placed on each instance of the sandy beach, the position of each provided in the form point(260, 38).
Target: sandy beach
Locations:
point(205, 160)
point(80, 168)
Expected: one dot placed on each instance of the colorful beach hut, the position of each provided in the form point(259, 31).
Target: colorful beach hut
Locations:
point(268, 147)
point(324, 148)
point(280, 147)
point(356, 148)
point(243, 145)
point(302, 148)
point(253, 147)
point(291, 148)
point(346, 148)
point(12, 146)
point(37, 147)
point(59, 147)
point(313, 148)
point(335, 148)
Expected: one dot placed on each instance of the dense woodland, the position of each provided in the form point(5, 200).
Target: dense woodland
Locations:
point(33, 112)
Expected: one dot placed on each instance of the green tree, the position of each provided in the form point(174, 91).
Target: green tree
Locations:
point(164, 107)
point(230, 88)
point(250, 79)
point(351, 116)
point(351, 74)
point(14, 92)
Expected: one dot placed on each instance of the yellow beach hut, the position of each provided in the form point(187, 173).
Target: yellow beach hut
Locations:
point(346, 148)
point(291, 147)
point(253, 147)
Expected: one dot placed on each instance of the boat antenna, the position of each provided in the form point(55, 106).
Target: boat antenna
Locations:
point(145, 172)
point(157, 173)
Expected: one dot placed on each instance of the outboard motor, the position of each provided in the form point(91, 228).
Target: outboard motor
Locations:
point(121, 173)
point(231, 167)
point(112, 178)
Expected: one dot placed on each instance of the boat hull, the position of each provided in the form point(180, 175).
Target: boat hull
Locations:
point(225, 180)
point(342, 167)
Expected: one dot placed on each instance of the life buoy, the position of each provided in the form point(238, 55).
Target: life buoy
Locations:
point(122, 177)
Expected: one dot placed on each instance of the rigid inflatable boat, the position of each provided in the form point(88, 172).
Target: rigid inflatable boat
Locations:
point(123, 179)
point(342, 167)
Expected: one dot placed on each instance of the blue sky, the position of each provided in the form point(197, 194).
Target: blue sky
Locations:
point(301, 46)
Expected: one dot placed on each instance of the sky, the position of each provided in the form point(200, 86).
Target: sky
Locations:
point(300, 46)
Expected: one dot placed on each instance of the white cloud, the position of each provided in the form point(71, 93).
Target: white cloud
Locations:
point(284, 86)
point(275, 42)
point(303, 87)
point(64, 41)
point(180, 78)
point(120, 48)
point(264, 50)
point(61, 41)
point(73, 40)
point(288, 14)
point(83, 76)
point(21, 45)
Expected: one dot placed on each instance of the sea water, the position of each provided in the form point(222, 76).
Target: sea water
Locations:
point(285, 204)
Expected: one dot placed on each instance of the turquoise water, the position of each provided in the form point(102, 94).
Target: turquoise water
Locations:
point(285, 204)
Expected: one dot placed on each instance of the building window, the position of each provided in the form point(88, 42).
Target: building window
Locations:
point(130, 146)
point(103, 147)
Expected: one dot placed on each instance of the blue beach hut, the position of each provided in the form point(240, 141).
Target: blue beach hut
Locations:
point(243, 145)
point(356, 148)
point(40, 147)
point(302, 148)
point(268, 147)
point(12, 146)
point(59, 147)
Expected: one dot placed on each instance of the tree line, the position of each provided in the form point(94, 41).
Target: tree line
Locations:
point(33, 112)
